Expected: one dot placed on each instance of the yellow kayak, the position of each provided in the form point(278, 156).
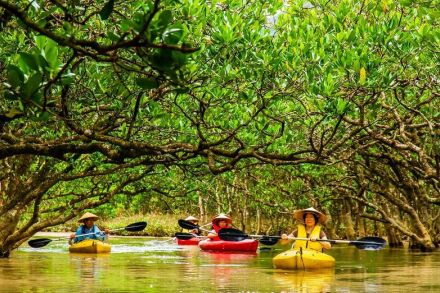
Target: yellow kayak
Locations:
point(306, 259)
point(90, 246)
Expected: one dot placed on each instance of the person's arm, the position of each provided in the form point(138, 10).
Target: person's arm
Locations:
point(293, 234)
point(71, 238)
point(212, 234)
point(195, 232)
point(74, 238)
point(101, 235)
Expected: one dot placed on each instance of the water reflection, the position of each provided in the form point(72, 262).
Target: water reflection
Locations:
point(89, 266)
point(305, 281)
point(152, 265)
point(226, 270)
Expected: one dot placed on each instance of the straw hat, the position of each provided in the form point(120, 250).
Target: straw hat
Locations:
point(88, 216)
point(220, 217)
point(191, 218)
point(299, 215)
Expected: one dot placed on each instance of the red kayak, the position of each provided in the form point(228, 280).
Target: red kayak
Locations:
point(247, 245)
point(191, 241)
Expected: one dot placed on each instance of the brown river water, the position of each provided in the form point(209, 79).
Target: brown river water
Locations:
point(155, 265)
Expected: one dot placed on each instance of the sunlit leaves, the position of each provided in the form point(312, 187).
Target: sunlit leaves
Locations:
point(362, 76)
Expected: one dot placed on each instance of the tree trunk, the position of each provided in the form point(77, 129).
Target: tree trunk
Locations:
point(346, 218)
point(202, 215)
point(394, 239)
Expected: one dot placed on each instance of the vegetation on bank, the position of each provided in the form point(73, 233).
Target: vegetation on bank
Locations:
point(157, 225)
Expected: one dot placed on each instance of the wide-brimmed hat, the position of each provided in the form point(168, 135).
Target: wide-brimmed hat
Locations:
point(88, 216)
point(191, 218)
point(220, 217)
point(299, 215)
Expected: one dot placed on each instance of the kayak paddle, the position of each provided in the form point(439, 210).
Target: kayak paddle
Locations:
point(369, 243)
point(266, 240)
point(190, 226)
point(134, 227)
point(187, 236)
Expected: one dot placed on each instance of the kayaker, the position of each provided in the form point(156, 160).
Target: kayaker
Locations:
point(88, 227)
point(194, 221)
point(310, 221)
point(219, 222)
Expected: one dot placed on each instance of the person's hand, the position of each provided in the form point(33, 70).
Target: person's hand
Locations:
point(284, 236)
point(313, 239)
point(72, 236)
point(106, 231)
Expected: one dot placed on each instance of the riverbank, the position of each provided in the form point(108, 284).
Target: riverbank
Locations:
point(66, 234)
point(158, 225)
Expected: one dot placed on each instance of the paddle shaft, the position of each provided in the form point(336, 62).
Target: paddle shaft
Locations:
point(76, 236)
point(134, 227)
point(335, 241)
point(187, 236)
point(319, 240)
point(308, 239)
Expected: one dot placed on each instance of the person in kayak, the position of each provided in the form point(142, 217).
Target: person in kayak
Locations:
point(88, 227)
point(194, 221)
point(310, 221)
point(219, 222)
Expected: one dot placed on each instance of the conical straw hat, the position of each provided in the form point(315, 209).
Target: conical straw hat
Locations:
point(191, 218)
point(299, 215)
point(220, 217)
point(88, 216)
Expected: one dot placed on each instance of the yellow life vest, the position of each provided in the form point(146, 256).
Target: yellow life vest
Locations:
point(303, 244)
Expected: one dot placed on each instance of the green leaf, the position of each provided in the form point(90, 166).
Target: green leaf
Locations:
point(42, 62)
point(51, 51)
point(44, 116)
point(107, 9)
point(165, 18)
point(32, 85)
point(172, 35)
point(147, 83)
point(15, 76)
point(29, 60)
point(40, 41)
point(341, 106)
point(36, 97)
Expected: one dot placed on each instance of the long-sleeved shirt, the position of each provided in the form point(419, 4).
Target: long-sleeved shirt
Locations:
point(98, 234)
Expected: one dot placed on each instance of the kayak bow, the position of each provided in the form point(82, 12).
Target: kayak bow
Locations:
point(90, 246)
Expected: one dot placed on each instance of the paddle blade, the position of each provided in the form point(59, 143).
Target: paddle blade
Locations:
point(184, 236)
point(266, 240)
point(37, 243)
point(231, 234)
point(136, 227)
point(187, 225)
point(370, 243)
